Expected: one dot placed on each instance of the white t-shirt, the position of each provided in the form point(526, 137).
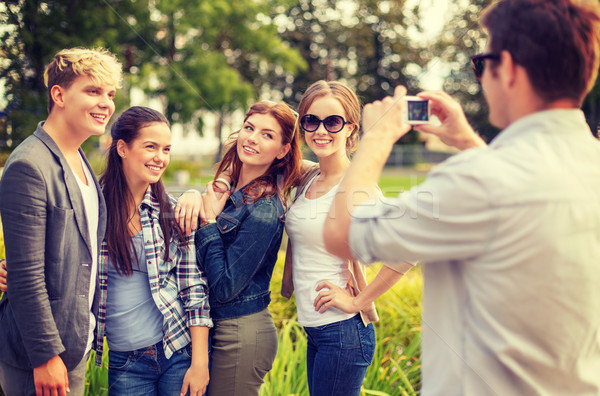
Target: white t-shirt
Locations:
point(509, 237)
point(92, 213)
point(311, 262)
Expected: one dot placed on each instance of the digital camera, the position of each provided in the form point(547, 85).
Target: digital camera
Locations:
point(416, 110)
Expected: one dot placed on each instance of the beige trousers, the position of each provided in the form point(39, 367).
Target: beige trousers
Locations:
point(243, 351)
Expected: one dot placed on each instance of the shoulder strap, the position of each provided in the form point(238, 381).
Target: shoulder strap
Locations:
point(306, 177)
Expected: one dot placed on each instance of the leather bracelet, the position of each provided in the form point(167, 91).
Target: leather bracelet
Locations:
point(224, 181)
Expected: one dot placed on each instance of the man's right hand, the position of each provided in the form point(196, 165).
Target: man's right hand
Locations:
point(455, 129)
point(3, 273)
point(51, 378)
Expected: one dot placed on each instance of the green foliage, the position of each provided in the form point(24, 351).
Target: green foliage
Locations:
point(462, 39)
point(364, 43)
point(288, 375)
point(96, 378)
point(197, 55)
point(33, 32)
point(391, 185)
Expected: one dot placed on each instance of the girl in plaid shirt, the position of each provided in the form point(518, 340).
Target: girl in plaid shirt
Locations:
point(153, 306)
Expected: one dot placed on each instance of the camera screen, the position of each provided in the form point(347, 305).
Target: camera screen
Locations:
point(417, 110)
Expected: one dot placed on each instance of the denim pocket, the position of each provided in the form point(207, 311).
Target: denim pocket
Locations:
point(120, 360)
point(367, 341)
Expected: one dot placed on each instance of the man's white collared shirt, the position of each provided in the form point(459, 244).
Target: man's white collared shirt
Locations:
point(509, 238)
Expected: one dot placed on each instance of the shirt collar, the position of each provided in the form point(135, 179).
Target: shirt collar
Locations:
point(237, 198)
point(556, 120)
point(150, 203)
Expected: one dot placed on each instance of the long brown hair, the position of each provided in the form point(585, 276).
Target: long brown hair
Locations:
point(283, 173)
point(118, 197)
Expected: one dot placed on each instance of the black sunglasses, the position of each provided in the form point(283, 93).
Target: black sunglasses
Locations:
point(332, 123)
point(479, 63)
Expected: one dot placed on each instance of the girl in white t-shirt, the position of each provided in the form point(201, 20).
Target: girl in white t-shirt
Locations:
point(341, 343)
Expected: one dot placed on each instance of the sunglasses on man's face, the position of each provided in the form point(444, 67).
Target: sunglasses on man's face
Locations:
point(479, 63)
point(332, 123)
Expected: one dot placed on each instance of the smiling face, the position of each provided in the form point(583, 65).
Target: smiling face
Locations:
point(259, 142)
point(322, 142)
point(146, 157)
point(87, 106)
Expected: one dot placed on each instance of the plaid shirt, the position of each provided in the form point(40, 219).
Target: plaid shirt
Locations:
point(178, 287)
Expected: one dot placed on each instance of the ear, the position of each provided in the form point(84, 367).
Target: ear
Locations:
point(507, 69)
point(284, 150)
point(121, 148)
point(350, 129)
point(57, 95)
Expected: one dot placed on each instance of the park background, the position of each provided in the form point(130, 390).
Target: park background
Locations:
point(202, 62)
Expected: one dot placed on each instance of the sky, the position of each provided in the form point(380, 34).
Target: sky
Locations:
point(436, 15)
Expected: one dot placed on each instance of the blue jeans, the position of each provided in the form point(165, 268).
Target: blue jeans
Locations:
point(338, 356)
point(147, 371)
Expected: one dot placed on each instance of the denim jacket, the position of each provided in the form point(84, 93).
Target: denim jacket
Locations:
point(238, 253)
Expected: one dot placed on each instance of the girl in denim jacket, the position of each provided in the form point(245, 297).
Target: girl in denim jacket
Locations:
point(237, 245)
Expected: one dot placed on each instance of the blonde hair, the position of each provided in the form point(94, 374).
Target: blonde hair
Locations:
point(99, 64)
point(347, 99)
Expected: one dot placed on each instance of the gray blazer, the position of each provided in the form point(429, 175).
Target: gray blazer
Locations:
point(45, 311)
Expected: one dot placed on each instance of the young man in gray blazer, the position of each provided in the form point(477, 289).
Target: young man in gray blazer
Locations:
point(54, 218)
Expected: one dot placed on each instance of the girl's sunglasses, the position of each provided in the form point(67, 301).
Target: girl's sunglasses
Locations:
point(479, 63)
point(333, 123)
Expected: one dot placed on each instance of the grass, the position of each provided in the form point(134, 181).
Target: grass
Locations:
point(392, 184)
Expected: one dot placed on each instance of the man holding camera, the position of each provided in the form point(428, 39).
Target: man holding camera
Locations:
point(508, 234)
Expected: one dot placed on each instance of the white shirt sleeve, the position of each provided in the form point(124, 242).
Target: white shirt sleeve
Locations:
point(447, 217)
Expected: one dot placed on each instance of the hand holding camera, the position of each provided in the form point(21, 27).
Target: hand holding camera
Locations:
point(454, 129)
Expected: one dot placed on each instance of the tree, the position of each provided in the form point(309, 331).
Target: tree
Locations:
point(461, 39)
point(212, 56)
point(363, 42)
point(34, 31)
point(193, 55)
